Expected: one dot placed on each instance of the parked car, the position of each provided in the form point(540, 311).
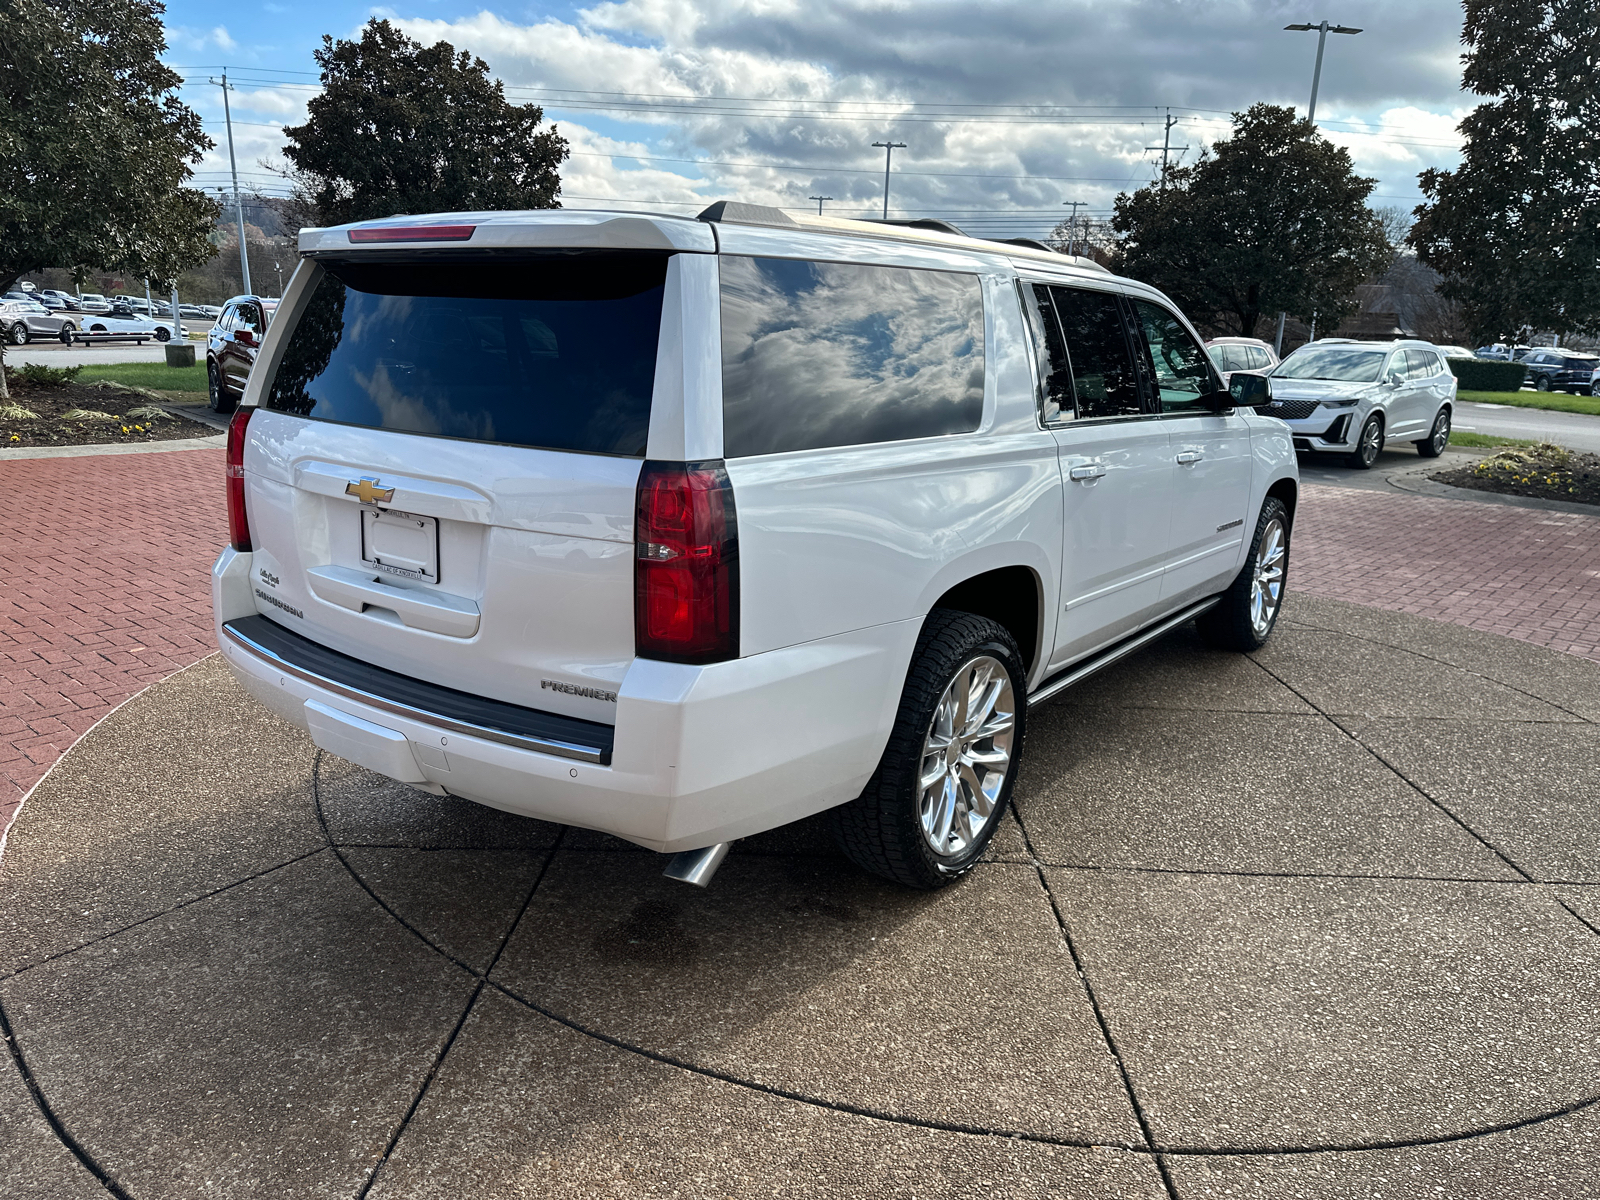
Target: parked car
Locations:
point(93, 302)
point(1230, 354)
point(1594, 381)
point(1455, 351)
point(49, 300)
point(1350, 397)
point(194, 312)
point(1552, 370)
point(212, 310)
point(704, 526)
point(231, 347)
point(122, 319)
point(26, 320)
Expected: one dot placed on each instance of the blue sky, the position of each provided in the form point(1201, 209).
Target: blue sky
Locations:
point(1009, 109)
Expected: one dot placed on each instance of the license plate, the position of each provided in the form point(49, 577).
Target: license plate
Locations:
point(400, 543)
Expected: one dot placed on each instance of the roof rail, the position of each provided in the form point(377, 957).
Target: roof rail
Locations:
point(736, 212)
point(932, 224)
point(1030, 243)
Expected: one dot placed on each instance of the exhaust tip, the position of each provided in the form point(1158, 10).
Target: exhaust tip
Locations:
point(697, 866)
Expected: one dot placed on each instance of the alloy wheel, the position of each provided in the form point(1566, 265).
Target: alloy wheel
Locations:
point(1371, 442)
point(1266, 583)
point(966, 756)
point(1441, 433)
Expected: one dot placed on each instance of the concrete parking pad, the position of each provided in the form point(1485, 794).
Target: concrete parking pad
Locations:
point(239, 967)
point(527, 1108)
point(1299, 1013)
point(1220, 792)
point(187, 791)
point(1558, 1159)
point(1532, 791)
point(809, 977)
point(263, 1042)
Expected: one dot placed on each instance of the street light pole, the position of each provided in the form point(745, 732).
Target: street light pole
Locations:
point(819, 200)
point(888, 149)
point(1322, 31)
point(238, 206)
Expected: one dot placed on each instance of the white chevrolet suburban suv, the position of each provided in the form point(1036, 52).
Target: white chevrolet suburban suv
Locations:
point(684, 529)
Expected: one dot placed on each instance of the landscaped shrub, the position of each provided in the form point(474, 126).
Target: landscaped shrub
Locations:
point(1487, 374)
point(44, 376)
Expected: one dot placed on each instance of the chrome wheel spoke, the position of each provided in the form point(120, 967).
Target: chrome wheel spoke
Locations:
point(966, 756)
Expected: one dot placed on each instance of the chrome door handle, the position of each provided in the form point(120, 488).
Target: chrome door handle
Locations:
point(1091, 471)
point(1190, 456)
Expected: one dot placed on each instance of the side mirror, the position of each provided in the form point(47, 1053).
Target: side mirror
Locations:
point(1248, 391)
point(244, 337)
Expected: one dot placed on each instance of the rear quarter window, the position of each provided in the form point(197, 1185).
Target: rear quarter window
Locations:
point(818, 354)
point(555, 351)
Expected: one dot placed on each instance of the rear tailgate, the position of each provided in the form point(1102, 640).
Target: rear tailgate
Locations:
point(441, 476)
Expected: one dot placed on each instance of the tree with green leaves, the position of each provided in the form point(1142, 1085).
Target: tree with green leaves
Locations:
point(1273, 219)
point(95, 147)
point(404, 128)
point(1515, 229)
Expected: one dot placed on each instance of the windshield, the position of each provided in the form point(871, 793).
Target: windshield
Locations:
point(1346, 364)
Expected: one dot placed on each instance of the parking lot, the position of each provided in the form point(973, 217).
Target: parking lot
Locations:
point(1320, 921)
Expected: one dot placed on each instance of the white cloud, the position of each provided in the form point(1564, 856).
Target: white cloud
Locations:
point(184, 38)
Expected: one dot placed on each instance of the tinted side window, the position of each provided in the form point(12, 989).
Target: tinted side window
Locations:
point(1103, 375)
point(556, 351)
point(225, 321)
point(1182, 372)
point(1055, 369)
point(1260, 360)
point(1418, 366)
point(249, 317)
point(818, 354)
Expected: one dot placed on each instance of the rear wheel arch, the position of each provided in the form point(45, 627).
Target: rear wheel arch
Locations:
point(1012, 597)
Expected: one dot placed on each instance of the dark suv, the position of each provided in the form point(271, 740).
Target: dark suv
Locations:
point(231, 348)
point(1561, 371)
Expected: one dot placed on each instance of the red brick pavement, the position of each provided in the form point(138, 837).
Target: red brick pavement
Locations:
point(104, 588)
point(1524, 572)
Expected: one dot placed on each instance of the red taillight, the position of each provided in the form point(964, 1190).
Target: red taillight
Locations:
point(686, 564)
point(412, 233)
point(238, 522)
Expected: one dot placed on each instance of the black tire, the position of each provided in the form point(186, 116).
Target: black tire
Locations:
point(1232, 623)
point(1369, 444)
point(163, 334)
point(1438, 437)
point(18, 334)
point(1542, 384)
point(218, 398)
point(881, 830)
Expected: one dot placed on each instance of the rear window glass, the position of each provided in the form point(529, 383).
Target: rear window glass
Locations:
point(819, 354)
point(552, 351)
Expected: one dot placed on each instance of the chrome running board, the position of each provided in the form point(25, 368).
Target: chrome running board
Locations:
point(1057, 684)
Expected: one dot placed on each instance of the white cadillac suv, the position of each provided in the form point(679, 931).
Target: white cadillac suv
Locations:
point(686, 529)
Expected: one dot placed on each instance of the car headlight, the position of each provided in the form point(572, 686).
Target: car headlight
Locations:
point(1350, 403)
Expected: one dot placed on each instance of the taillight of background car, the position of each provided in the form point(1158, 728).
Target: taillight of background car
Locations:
point(238, 521)
point(686, 564)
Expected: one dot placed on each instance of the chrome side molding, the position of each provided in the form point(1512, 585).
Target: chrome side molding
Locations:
point(1057, 684)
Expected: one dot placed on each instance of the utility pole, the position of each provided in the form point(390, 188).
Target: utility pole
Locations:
point(1322, 31)
point(238, 206)
point(1072, 221)
point(1166, 148)
point(819, 200)
point(888, 149)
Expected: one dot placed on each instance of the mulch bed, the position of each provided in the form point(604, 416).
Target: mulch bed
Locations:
point(1540, 472)
point(137, 419)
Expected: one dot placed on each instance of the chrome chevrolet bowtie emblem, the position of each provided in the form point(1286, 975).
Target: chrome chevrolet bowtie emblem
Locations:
point(368, 491)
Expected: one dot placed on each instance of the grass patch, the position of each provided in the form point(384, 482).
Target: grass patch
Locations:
point(1549, 401)
point(150, 375)
point(1482, 441)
